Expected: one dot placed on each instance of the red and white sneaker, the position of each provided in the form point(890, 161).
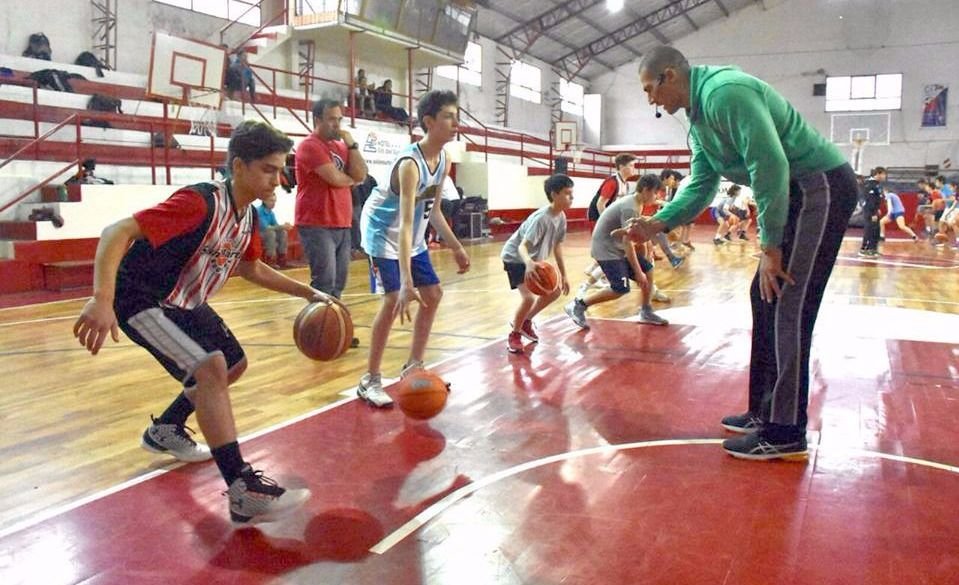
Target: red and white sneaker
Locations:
point(514, 343)
point(527, 331)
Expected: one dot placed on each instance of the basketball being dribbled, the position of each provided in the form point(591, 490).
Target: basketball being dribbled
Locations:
point(543, 280)
point(323, 331)
point(422, 395)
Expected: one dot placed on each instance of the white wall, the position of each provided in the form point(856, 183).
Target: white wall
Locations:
point(68, 25)
point(788, 41)
point(524, 116)
point(507, 185)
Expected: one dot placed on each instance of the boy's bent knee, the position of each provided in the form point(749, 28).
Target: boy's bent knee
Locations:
point(213, 373)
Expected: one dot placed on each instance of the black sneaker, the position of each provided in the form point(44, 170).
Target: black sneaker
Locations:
point(728, 236)
point(756, 447)
point(255, 498)
point(746, 422)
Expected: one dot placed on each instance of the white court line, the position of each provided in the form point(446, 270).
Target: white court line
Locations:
point(438, 508)
point(45, 303)
point(349, 396)
point(43, 320)
point(63, 509)
point(896, 263)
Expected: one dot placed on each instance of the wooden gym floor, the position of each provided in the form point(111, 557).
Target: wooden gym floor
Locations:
point(590, 459)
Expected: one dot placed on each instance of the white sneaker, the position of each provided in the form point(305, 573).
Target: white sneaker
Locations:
point(171, 439)
point(659, 296)
point(256, 498)
point(582, 290)
point(370, 389)
point(577, 312)
point(650, 318)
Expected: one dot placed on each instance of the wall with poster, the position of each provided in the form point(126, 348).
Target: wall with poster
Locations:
point(789, 44)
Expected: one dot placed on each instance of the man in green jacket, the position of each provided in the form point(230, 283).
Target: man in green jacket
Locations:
point(805, 191)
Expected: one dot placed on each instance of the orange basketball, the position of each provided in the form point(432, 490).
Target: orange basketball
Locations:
point(543, 280)
point(422, 395)
point(323, 331)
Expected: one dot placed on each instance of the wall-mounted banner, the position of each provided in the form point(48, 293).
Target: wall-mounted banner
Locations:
point(934, 97)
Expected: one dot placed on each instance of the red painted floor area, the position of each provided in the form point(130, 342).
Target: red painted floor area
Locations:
point(625, 513)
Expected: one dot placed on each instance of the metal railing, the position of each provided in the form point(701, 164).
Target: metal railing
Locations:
point(73, 118)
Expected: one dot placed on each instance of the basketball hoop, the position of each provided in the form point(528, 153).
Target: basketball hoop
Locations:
point(575, 152)
point(203, 120)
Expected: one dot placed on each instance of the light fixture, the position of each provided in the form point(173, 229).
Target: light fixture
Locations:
point(614, 5)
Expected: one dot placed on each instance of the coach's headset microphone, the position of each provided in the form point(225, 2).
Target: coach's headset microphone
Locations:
point(659, 81)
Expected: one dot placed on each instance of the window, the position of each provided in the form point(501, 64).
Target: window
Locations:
point(859, 93)
point(244, 11)
point(525, 82)
point(471, 71)
point(571, 95)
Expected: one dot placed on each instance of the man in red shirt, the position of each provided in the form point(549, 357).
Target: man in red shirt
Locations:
point(328, 164)
point(153, 274)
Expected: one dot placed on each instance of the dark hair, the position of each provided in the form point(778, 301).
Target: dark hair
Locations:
point(624, 159)
point(660, 58)
point(877, 171)
point(555, 184)
point(321, 106)
point(733, 189)
point(252, 140)
point(648, 181)
point(667, 173)
point(940, 178)
point(431, 104)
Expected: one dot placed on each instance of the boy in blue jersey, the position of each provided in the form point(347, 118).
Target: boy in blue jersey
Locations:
point(273, 234)
point(896, 214)
point(393, 230)
point(541, 234)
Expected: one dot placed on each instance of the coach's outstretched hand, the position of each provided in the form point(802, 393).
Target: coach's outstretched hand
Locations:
point(96, 318)
point(639, 229)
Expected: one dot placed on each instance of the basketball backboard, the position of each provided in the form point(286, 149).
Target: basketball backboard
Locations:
point(185, 71)
point(565, 135)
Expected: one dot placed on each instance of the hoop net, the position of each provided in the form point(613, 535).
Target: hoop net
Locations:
point(858, 145)
point(577, 154)
point(203, 120)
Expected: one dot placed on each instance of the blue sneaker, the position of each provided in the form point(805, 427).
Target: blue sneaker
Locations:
point(756, 447)
point(746, 422)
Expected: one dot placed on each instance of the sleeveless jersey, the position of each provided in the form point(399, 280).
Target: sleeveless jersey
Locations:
point(185, 271)
point(380, 220)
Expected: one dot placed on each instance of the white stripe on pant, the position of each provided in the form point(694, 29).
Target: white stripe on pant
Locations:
point(819, 209)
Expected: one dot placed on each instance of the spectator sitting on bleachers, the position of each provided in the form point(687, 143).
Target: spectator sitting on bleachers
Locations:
point(239, 76)
point(273, 234)
point(365, 103)
point(384, 102)
point(86, 177)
